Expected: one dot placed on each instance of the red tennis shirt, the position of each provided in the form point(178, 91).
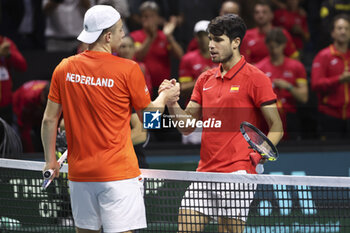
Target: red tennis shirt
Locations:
point(232, 99)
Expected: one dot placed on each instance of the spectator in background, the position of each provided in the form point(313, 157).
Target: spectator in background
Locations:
point(10, 58)
point(139, 136)
point(253, 46)
point(192, 64)
point(195, 62)
point(329, 9)
point(63, 23)
point(230, 7)
point(227, 7)
point(153, 46)
point(127, 50)
point(29, 103)
point(288, 78)
point(293, 19)
point(331, 79)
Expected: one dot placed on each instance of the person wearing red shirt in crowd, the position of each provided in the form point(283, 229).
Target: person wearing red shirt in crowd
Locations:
point(233, 92)
point(127, 50)
point(197, 61)
point(253, 46)
point(139, 135)
point(153, 46)
point(28, 105)
point(288, 78)
point(192, 65)
point(293, 19)
point(331, 80)
point(10, 58)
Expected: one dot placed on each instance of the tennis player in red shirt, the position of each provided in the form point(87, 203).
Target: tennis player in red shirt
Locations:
point(253, 46)
point(330, 79)
point(233, 92)
point(289, 81)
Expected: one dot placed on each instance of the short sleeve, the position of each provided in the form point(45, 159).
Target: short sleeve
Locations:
point(139, 93)
point(57, 76)
point(262, 91)
point(198, 89)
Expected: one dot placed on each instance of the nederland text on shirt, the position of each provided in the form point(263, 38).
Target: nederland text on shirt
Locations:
point(87, 80)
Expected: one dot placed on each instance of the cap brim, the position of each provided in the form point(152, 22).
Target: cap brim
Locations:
point(89, 37)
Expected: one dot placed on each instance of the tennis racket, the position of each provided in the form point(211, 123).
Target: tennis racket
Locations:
point(258, 141)
point(49, 173)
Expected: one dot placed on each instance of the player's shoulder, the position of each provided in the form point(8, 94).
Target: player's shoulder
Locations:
point(254, 74)
point(208, 74)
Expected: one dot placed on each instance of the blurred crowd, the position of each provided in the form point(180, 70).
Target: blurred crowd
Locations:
point(303, 46)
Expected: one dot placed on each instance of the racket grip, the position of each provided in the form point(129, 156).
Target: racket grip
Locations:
point(48, 174)
point(255, 158)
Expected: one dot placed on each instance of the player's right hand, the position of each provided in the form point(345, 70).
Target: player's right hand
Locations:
point(55, 166)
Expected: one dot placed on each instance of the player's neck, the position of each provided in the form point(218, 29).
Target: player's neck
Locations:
point(341, 47)
point(277, 60)
point(100, 47)
point(230, 63)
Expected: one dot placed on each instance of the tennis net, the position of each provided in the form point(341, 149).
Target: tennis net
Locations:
point(175, 199)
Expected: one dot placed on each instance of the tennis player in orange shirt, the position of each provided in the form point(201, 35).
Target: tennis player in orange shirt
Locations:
point(96, 90)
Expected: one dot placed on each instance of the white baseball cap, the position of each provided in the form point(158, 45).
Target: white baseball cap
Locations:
point(96, 19)
point(201, 26)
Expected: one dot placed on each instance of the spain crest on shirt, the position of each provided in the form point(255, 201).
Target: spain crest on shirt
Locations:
point(234, 88)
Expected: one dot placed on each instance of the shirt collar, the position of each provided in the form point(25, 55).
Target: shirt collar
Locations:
point(233, 71)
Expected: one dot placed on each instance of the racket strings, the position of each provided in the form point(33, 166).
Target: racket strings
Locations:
point(259, 141)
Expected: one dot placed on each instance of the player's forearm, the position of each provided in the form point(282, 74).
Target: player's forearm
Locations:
point(276, 132)
point(138, 136)
point(158, 104)
point(48, 137)
point(178, 114)
point(274, 122)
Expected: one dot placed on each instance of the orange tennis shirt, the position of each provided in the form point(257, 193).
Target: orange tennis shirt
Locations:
point(96, 91)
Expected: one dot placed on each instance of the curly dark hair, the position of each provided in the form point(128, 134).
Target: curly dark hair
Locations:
point(230, 25)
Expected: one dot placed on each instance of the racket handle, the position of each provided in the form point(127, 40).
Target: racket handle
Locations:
point(48, 174)
point(255, 158)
